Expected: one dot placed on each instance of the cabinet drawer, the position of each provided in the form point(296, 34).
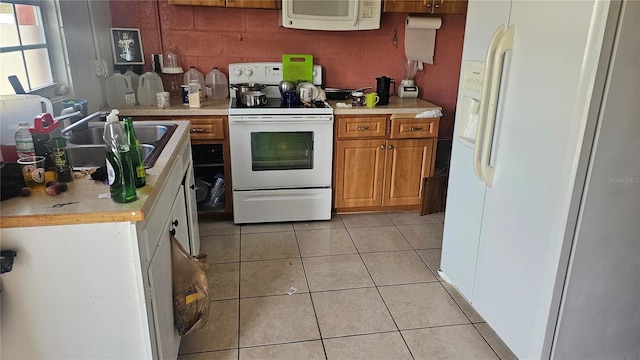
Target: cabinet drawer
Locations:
point(361, 127)
point(412, 128)
point(212, 128)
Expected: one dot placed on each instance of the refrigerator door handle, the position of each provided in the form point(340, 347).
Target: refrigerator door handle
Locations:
point(505, 44)
point(484, 98)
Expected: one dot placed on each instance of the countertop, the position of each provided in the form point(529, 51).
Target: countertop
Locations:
point(38, 210)
point(220, 108)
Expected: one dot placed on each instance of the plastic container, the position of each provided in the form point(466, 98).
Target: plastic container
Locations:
point(217, 84)
point(194, 74)
point(135, 78)
point(120, 171)
point(24, 141)
point(136, 153)
point(120, 93)
point(149, 85)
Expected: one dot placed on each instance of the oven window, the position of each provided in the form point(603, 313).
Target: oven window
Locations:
point(281, 150)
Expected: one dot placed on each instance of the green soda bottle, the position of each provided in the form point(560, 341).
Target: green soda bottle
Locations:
point(136, 153)
point(119, 167)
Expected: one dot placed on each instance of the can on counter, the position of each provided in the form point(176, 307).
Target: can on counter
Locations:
point(185, 94)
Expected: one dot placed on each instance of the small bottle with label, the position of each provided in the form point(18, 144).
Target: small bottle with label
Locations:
point(63, 169)
point(24, 141)
point(136, 153)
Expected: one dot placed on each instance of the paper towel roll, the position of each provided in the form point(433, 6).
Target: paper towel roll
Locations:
point(420, 38)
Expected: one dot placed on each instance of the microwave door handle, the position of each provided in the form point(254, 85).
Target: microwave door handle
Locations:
point(356, 12)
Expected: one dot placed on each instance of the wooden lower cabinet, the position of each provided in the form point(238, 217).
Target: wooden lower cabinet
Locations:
point(246, 4)
point(374, 173)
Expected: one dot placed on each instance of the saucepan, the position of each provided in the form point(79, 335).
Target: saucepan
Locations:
point(341, 94)
point(250, 94)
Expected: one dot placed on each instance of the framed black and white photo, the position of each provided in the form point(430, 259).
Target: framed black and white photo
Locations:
point(126, 46)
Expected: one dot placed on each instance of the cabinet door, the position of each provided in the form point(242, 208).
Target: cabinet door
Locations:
point(408, 162)
point(359, 173)
point(206, 128)
point(408, 6)
point(255, 4)
point(198, 2)
point(192, 206)
point(160, 281)
point(449, 7)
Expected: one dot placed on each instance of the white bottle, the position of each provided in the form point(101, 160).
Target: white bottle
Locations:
point(119, 91)
point(148, 86)
point(24, 141)
point(194, 74)
point(134, 79)
point(217, 85)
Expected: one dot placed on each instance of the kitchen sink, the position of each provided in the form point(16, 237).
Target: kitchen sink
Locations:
point(147, 134)
point(86, 148)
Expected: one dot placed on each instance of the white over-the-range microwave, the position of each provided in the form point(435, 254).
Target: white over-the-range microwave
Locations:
point(336, 15)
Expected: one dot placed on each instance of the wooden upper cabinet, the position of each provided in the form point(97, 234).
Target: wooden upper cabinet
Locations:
point(426, 6)
point(248, 4)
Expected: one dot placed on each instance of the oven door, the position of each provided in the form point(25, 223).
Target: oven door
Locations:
point(281, 152)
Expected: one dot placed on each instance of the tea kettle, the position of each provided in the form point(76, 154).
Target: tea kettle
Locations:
point(383, 85)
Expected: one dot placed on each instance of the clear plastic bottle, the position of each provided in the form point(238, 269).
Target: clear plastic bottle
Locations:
point(136, 153)
point(217, 84)
point(119, 168)
point(24, 141)
point(148, 86)
point(120, 93)
point(194, 74)
point(134, 78)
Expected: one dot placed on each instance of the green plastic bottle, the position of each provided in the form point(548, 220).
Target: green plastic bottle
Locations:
point(136, 153)
point(119, 167)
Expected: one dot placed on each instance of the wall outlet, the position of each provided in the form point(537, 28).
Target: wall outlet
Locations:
point(99, 67)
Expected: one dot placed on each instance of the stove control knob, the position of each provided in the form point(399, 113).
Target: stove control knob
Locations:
point(248, 72)
point(237, 72)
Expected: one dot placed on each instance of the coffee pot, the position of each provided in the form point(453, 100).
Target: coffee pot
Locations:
point(383, 85)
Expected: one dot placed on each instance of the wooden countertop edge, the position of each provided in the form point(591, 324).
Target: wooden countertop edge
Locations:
point(72, 219)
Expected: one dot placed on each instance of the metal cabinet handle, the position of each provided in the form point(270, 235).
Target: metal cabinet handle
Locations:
point(390, 147)
point(382, 146)
point(175, 223)
point(198, 130)
point(416, 128)
point(193, 186)
point(172, 232)
point(362, 128)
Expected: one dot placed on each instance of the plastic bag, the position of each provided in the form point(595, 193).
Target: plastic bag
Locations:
point(190, 289)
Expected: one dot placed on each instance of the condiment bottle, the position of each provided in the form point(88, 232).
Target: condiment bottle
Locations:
point(136, 153)
point(63, 169)
point(45, 128)
point(119, 168)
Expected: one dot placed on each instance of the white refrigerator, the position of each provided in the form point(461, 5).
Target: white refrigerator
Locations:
point(542, 222)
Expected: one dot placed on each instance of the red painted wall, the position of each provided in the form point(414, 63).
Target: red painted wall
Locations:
point(213, 36)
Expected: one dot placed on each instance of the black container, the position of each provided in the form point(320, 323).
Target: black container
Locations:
point(383, 87)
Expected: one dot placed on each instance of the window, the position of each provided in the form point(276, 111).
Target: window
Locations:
point(24, 50)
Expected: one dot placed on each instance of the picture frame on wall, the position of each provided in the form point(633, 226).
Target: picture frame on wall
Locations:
point(126, 46)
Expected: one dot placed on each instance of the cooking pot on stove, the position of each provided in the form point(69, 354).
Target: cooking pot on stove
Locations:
point(244, 87)
point(341, 94)
point(253, 98)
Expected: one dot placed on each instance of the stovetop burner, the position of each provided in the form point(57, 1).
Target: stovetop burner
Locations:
point(277, 103)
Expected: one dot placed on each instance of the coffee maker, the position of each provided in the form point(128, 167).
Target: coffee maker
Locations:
point(408, 88)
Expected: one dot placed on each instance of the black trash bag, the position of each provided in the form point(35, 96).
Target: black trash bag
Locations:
point(11, 180)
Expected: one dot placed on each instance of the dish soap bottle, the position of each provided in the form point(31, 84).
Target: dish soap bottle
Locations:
point(136, 153)
point(119, 168)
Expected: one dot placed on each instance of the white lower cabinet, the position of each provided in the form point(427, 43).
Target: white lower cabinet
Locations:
point(98, 291)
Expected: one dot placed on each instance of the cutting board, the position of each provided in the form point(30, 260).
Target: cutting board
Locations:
point(297, 67)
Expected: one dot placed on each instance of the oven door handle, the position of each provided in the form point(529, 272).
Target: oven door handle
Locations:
point(252, 120)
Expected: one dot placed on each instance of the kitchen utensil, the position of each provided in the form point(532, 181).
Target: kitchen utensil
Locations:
point(253, 98)
point(307, 92)
point(297, 67)
point(290, 98)
point(383, 86)
point(341, 94)
point(285, 86)
point(371, 99)
point(244, 87)
point(357, 98)
point(407, 89)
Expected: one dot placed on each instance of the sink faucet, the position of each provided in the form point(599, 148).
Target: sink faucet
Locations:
point(83, 121)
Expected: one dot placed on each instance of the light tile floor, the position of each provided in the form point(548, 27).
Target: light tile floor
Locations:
point(367, 288)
